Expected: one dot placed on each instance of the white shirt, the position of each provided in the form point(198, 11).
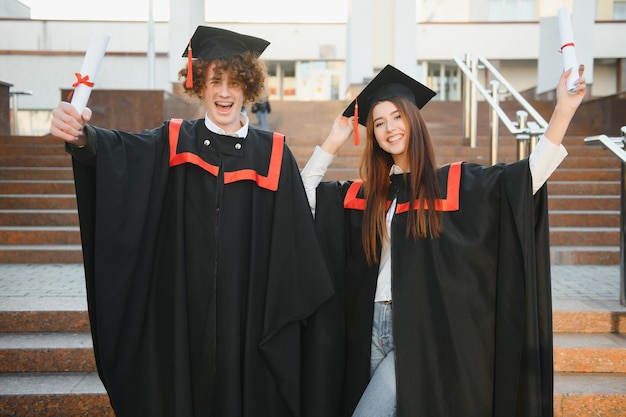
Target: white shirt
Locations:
point(241, 133)
point(543, 161)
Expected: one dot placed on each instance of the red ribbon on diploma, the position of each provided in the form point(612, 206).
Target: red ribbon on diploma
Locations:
point(80, 80)
point(565, 46)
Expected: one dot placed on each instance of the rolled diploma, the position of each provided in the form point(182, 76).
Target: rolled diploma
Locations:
point(567, 48)
point(91, 64)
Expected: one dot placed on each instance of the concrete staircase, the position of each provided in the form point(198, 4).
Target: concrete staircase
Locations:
point(589, 363)
point(38, 218)
point(48, 367)
point(46, 359)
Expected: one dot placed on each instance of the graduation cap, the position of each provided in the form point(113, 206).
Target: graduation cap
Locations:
point(390, 82)
point(208, 43)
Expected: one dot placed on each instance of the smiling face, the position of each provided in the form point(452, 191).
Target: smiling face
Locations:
point(390, 132)
point(223, 98)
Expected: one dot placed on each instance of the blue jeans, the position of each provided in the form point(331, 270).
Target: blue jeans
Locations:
point(262, 119)
point(379, 398)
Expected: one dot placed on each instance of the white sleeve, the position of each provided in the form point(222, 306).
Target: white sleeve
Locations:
point(544, 160)
point(313, 173)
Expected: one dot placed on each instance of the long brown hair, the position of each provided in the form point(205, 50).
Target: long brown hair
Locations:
point(423, 184)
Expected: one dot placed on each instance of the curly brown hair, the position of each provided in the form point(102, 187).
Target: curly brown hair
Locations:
point(246, 69)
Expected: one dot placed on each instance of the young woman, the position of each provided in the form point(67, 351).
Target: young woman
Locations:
point(444, 271)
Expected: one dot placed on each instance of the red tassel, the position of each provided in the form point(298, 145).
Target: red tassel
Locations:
point(356, 122)
point(189, 83)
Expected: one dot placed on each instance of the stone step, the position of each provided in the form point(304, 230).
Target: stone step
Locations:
point(590, 353)
point(39, 140)
point(78, 394)
point(72, 253)
point(589, 395)
point(39, 235)
point(46, 352)
point(75, 393)
point(36, 173)
point(587, 161)
point(584, 236)
point(586, 218)
point(40, 254)
point(73, 352)
point(37, 187)
point(599, 319)
point(33, 148)
point(23, 161)
point(584, 188)
point(589, 174)
point(37, 201)
point(27, 217)
point(585, 255)
point(62, 394)
point(45, 320)
point(590, 202)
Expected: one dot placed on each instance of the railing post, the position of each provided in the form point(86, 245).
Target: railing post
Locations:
point(522, 121)
point(14, 94)
point(493, 118)
point(466, 98)
point(617, 145)
point(533, 136)
point(473, 105)
point(532, 143)
point(622, 230)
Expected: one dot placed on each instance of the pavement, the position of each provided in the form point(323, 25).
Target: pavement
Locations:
point(61, 287)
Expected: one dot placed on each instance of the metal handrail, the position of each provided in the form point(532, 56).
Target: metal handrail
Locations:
point(616, 145)
point(520, 99)
point(512, 127)
point(526, 132)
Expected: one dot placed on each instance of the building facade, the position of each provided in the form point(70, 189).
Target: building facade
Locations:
point(321, 61)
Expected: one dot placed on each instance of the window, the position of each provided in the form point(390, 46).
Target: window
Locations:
point(619, 10)
point(512, 10)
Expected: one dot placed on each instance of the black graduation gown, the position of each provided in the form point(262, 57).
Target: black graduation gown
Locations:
point(204, 275)
point(471, 309)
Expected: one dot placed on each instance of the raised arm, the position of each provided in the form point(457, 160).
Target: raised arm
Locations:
point(67, 124)
point(317, 165)
point(566, 105)
point(549, 152)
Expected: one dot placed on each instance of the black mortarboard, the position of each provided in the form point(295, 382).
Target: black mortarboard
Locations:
point(390, 82)
point(209, 43)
